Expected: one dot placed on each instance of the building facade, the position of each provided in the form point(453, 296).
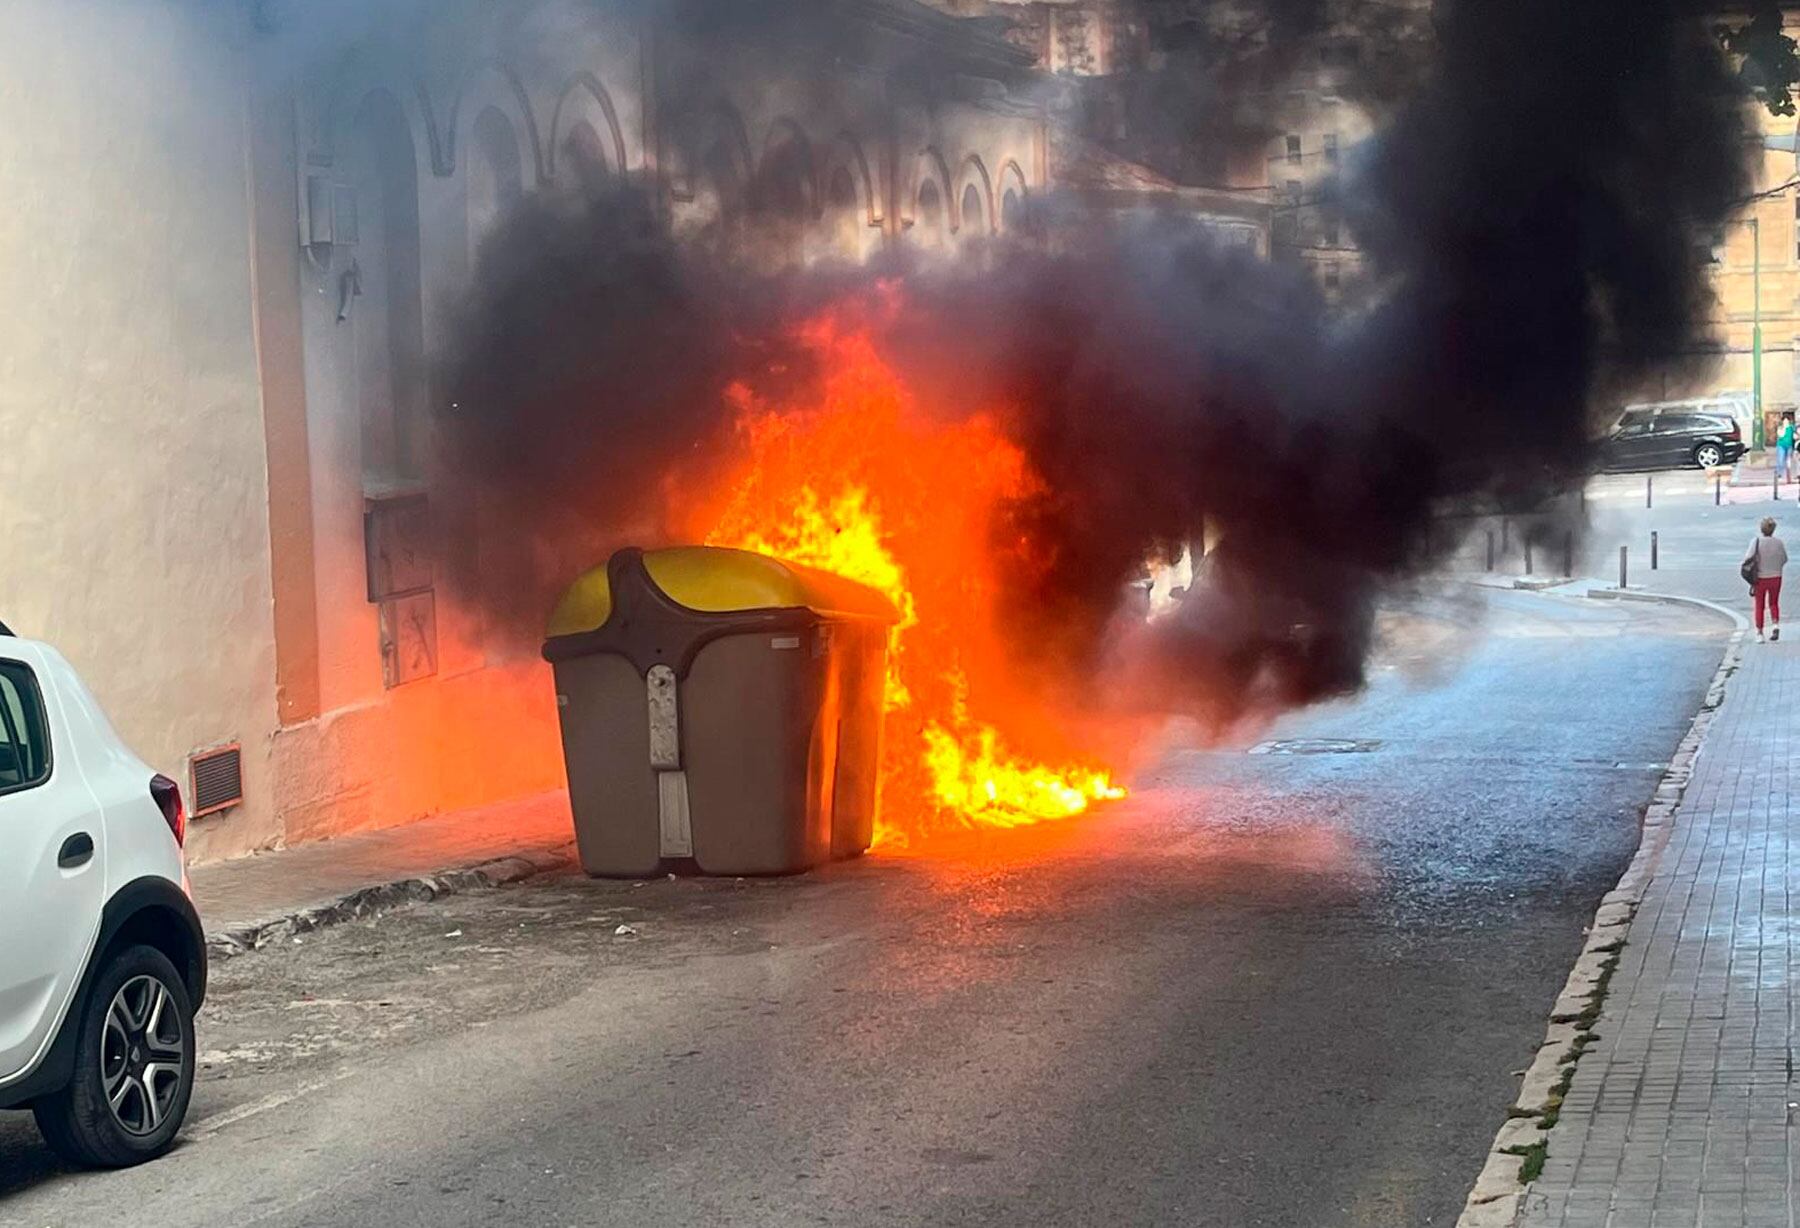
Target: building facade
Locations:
point(1754, 262)
point(241, 244)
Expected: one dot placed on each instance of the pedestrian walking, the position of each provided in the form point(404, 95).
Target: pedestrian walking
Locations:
point(1784, 446)
point(1762, 569)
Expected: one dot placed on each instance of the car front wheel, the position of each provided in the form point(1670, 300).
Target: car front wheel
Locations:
point(1709, 455)
point(134, 1066)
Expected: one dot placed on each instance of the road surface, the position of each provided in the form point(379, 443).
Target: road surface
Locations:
point(1287, 988)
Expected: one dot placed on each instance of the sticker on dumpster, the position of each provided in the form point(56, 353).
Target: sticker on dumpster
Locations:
point(562, 701)
point(785, 641)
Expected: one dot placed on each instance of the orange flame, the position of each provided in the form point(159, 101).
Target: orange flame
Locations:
point(866, 484)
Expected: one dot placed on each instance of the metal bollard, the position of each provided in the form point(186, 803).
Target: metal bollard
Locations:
point(1775, 486)
point(1505, 535)
point(1718, 488)
point(1652, 549)
point(1648, 478)
point(1621, 567)
point(1568, 554)
point(1528, 555)
point(1490, 554)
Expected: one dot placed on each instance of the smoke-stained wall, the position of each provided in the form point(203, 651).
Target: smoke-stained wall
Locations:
point(417, 130)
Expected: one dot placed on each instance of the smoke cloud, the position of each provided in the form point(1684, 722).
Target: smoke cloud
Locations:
point(1529, 218)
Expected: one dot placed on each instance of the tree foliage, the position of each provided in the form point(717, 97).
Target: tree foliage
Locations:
point(1765, 57)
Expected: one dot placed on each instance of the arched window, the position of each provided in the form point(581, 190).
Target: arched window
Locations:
point(719, 191)
point(382, 303)
point(1012, 196)
point(843, 215)
point(974, 219)
point(784, 197)
point(496, 181)
point(584, 166)
point(928, 227)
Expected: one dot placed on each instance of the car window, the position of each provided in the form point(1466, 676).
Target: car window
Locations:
point(1633, 422)
point(24, 732)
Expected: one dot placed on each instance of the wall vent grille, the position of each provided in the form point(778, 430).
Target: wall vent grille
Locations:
point(218, 780)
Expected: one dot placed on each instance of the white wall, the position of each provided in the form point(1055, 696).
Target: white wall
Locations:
point(133, 494)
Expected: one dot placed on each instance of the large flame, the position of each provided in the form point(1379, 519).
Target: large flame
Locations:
point(865, 483)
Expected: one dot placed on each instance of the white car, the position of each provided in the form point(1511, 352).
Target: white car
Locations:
point(102, 958)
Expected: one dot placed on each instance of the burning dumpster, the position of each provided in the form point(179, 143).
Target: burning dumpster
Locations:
point(720, 710)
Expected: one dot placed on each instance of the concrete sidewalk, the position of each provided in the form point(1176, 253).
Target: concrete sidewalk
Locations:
point(1682, 1111)
point(249, 901)
point(1667, 1080)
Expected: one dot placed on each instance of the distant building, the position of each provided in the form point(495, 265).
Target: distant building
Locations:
point(1210, 98)
point(1755, 271)
point(1317, 132)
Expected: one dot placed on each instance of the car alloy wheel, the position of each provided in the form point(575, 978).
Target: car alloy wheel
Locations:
point(143, 1055)
point(1707, 455)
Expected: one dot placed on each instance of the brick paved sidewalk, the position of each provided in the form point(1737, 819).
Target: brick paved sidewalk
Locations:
point(247, 893)
point(1682, 1111)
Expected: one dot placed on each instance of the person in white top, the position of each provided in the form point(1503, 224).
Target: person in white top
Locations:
point(1768, 556)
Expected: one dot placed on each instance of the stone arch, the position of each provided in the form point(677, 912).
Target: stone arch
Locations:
point(846, 153)
point(350, 85)
point(586, 102)
point(707, 160)
point(490, 87)
point(1013, 194)
point(927, 211)
point(974, 187)
point(849, 209)
point(787, 183)
point(721, 126)
point(585, 168)
point(786, 196)
point(493, 171)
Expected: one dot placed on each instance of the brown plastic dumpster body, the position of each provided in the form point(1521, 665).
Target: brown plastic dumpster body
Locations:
point(721, 711)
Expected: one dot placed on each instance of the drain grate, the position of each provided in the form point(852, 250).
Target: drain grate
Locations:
point(1317, 746)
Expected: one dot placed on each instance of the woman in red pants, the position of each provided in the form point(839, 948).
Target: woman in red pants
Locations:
point(1769, 557)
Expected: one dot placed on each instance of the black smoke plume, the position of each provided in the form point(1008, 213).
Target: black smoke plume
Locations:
point(1529, 219)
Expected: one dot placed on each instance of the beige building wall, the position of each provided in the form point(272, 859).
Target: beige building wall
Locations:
point(1737, 254)
point(229, 258)
point(430, 124)
point(133, 494)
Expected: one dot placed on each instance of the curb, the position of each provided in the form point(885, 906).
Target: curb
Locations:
point(1498, 1198)
point(374, 900)
point(1698, 603)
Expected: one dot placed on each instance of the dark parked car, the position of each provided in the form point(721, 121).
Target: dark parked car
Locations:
point(1671, 437)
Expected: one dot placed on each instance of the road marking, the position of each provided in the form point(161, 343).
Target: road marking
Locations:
point(243, 1112)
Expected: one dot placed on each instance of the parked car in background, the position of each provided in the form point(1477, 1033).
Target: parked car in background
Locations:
point(102, 959)
point(1672, 436)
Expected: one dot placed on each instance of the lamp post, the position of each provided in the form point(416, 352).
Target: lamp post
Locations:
point(1756, 410)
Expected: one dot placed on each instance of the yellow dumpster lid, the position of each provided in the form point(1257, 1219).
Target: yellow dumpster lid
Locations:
point(717, 580)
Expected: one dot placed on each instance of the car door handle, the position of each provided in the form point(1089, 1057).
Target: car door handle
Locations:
point(77, 850)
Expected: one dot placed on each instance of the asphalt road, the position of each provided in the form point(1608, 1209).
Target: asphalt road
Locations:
point(1698, 544)
point(1283, 988)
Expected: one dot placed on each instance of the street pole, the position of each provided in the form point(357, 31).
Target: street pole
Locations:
point(1756, 422)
